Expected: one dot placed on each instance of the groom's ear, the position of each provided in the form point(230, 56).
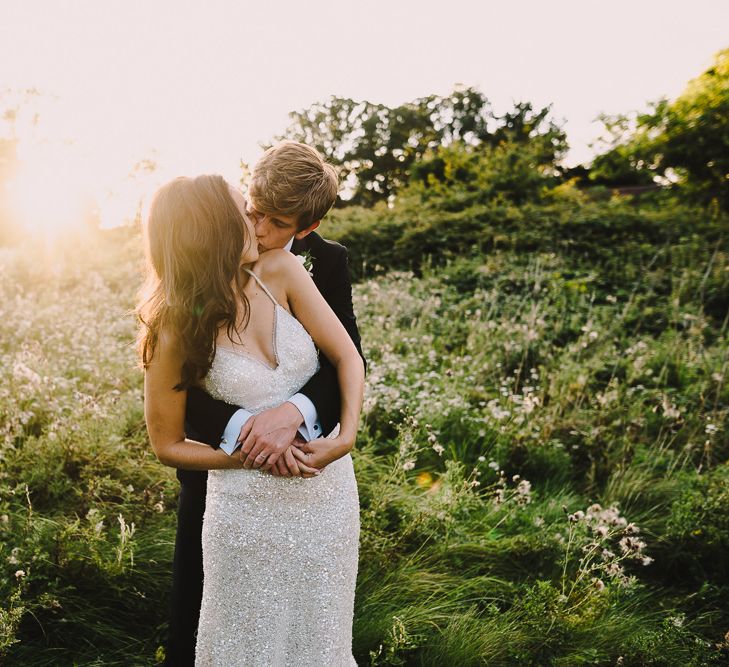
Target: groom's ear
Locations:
point(305, 232)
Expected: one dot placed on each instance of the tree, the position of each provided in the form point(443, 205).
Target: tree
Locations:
point(375, 146)
point(685, 141)
point(618, 164)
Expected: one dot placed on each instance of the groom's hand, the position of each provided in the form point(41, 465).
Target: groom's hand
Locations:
point(267, 435)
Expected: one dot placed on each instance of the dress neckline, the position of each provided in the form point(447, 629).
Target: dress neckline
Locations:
point(274, 335)
point(274, 330)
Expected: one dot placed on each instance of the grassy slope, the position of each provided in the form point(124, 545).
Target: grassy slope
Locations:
point(504, 393)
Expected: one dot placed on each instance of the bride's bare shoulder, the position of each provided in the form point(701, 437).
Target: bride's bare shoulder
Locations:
point(277, 263)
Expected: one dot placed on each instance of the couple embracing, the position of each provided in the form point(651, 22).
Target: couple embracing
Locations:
point(254, 379)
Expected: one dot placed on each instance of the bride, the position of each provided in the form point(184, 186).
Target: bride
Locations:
point(279, 553)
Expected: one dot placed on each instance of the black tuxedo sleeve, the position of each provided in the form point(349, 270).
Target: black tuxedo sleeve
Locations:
point(323, 387)
point(207, 416)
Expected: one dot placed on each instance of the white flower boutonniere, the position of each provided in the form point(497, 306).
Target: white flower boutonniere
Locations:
point(308, 261)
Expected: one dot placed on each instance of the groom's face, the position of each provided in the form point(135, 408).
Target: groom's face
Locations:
point(273, 230)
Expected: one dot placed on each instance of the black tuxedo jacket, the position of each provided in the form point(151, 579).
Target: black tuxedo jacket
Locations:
point(206, 417)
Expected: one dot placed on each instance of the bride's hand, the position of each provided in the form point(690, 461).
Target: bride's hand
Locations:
point(321, 452)
point(288, 466)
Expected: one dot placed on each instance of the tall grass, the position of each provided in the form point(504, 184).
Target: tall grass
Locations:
point(507, 395)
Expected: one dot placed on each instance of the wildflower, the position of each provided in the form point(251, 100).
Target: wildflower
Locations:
point(493, 465)
point(614, 570)
point(408, 465)
point(538, 521)
point(20, 574)
point(646, 560)
point(482, 458)
point(524, 492)
point(599, 584)
point(711, 428)
point(424, 479)
point(629, 545)
point(438, 449)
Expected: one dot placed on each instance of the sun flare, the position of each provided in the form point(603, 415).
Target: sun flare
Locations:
point(48, 194)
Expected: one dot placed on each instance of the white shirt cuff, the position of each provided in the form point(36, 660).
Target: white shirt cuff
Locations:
point(311, 428)
point(229, 442)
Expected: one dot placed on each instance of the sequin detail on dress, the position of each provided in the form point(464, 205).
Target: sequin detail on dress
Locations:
point(279, 554)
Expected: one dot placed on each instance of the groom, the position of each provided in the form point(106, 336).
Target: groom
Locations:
point(291, 190)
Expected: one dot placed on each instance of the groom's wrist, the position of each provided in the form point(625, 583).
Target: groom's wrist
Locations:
point(293, 414)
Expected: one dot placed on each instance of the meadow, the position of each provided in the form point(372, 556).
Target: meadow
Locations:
point(542, 461)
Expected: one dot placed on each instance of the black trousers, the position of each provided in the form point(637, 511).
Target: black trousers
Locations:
point(187, 570)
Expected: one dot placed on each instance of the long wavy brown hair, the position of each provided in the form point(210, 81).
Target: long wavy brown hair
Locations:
point(195, 237)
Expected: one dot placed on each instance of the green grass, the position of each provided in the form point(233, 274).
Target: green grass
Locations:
point(504, 393)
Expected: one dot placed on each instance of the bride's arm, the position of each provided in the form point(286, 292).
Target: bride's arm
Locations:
point(164, 413)
point(310, 308)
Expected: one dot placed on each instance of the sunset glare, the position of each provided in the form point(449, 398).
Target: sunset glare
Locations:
point(107, 100)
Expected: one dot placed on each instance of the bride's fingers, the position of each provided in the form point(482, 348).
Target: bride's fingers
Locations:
point(308, 470)
point(300, 454)
point(282, 468)
point(305, 461)
point(291, 463)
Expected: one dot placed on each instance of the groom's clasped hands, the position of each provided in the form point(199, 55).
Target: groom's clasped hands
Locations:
point(270, 441)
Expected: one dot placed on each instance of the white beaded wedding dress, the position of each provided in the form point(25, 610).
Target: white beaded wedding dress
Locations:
point(279, 553)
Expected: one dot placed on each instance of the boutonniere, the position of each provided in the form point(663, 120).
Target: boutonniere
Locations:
point(308, 261)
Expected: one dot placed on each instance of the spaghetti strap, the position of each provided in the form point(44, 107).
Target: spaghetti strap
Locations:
point(263, 287)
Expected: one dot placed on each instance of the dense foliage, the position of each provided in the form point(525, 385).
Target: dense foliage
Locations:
point(685, 140)
point(542, 461)
point(543, 455)
point(375, 146)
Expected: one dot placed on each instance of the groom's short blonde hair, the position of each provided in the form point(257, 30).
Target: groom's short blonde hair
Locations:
point(293, 179)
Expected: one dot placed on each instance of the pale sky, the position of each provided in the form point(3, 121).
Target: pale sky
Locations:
point(197, 85)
